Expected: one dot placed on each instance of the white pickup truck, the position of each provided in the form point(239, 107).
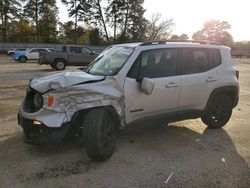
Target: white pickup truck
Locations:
point(29, 54)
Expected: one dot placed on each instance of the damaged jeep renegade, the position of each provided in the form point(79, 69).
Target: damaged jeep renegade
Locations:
point(129, 83)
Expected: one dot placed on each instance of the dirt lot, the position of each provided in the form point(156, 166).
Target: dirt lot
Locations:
point(145, 155)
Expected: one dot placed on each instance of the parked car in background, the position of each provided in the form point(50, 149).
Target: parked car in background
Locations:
point(52, 49)
point(70, 55)
point(12, 52)
point(29, 54)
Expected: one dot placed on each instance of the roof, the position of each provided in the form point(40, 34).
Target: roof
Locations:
point(176, 43)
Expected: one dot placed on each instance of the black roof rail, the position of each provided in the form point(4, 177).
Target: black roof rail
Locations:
point(152, 43)
point(191, 41)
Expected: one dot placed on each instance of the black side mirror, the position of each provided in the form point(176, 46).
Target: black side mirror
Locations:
point(92, 53)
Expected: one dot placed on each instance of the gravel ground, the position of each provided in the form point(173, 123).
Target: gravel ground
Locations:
point(146, 155)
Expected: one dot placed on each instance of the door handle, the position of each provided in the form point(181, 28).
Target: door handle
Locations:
point(210, 79)
point(171, 84)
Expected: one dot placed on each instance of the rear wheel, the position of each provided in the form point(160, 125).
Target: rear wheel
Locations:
point(59, 64)
point(23, 59)
point(99, 134)
point(218, 112)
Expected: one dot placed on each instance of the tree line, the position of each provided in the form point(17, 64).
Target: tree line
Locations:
point(95, 22)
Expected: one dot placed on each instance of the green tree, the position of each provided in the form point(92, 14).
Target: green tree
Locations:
point(48, 21)
point(78, 9)
point(215, 30)
point(114, 14)
point(32, 11)
point(94, 37)
point(136, 23)
point(67, 33)
point(9, 11)
point(21, 31)
point(42, 14)
point(96, 17)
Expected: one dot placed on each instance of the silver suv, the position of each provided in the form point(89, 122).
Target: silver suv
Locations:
point(129, 83)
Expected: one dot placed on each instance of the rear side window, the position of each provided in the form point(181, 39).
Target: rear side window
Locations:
point(198, 60)
point(215, 58)
point(86, 51)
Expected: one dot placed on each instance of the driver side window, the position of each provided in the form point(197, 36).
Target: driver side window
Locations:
point(155, 64)
point(86, 51)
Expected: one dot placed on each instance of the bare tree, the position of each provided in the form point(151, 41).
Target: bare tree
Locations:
point(158, 29)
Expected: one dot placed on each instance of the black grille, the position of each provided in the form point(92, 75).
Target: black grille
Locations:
point(28, 105)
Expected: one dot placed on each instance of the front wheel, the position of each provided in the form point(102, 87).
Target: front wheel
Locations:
point(23, 59)
point(99, 134)
point(218, 112)
point(59, 64)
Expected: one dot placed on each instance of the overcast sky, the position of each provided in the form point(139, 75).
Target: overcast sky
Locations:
point(190, 15)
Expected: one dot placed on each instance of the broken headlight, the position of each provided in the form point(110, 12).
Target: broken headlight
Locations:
point(33, 101)
point(37, 101)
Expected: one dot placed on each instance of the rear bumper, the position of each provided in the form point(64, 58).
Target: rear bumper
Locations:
point(41, 134)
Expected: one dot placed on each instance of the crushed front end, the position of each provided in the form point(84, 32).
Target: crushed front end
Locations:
point(39, 124)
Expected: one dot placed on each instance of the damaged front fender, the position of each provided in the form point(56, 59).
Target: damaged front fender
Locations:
point(86, 96)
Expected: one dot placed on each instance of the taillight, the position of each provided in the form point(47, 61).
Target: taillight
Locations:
point(237, 73)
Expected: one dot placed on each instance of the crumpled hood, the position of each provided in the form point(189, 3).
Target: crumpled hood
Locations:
point(62, 80)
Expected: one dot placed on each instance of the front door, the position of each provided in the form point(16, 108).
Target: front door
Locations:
point(161, 66)
point(33, 54)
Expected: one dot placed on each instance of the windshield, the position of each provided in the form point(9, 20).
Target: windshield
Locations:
point(110, 61)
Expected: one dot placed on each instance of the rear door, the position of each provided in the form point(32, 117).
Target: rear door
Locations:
point(199, 76)
point(159, 65)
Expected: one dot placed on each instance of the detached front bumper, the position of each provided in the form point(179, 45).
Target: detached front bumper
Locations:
point(35, 133)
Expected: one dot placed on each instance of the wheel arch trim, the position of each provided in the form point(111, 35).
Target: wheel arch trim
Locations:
point(232, 91)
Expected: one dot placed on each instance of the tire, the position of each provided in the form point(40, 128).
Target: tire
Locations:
point(59, 64)
point(99, 134)
point(218, 112)
point(23, 59)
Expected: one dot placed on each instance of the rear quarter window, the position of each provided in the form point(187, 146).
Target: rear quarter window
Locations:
point(215, 58)
point(198, 60)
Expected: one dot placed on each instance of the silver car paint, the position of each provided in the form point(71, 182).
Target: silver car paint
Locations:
point(74, 94)
point(62, 79)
